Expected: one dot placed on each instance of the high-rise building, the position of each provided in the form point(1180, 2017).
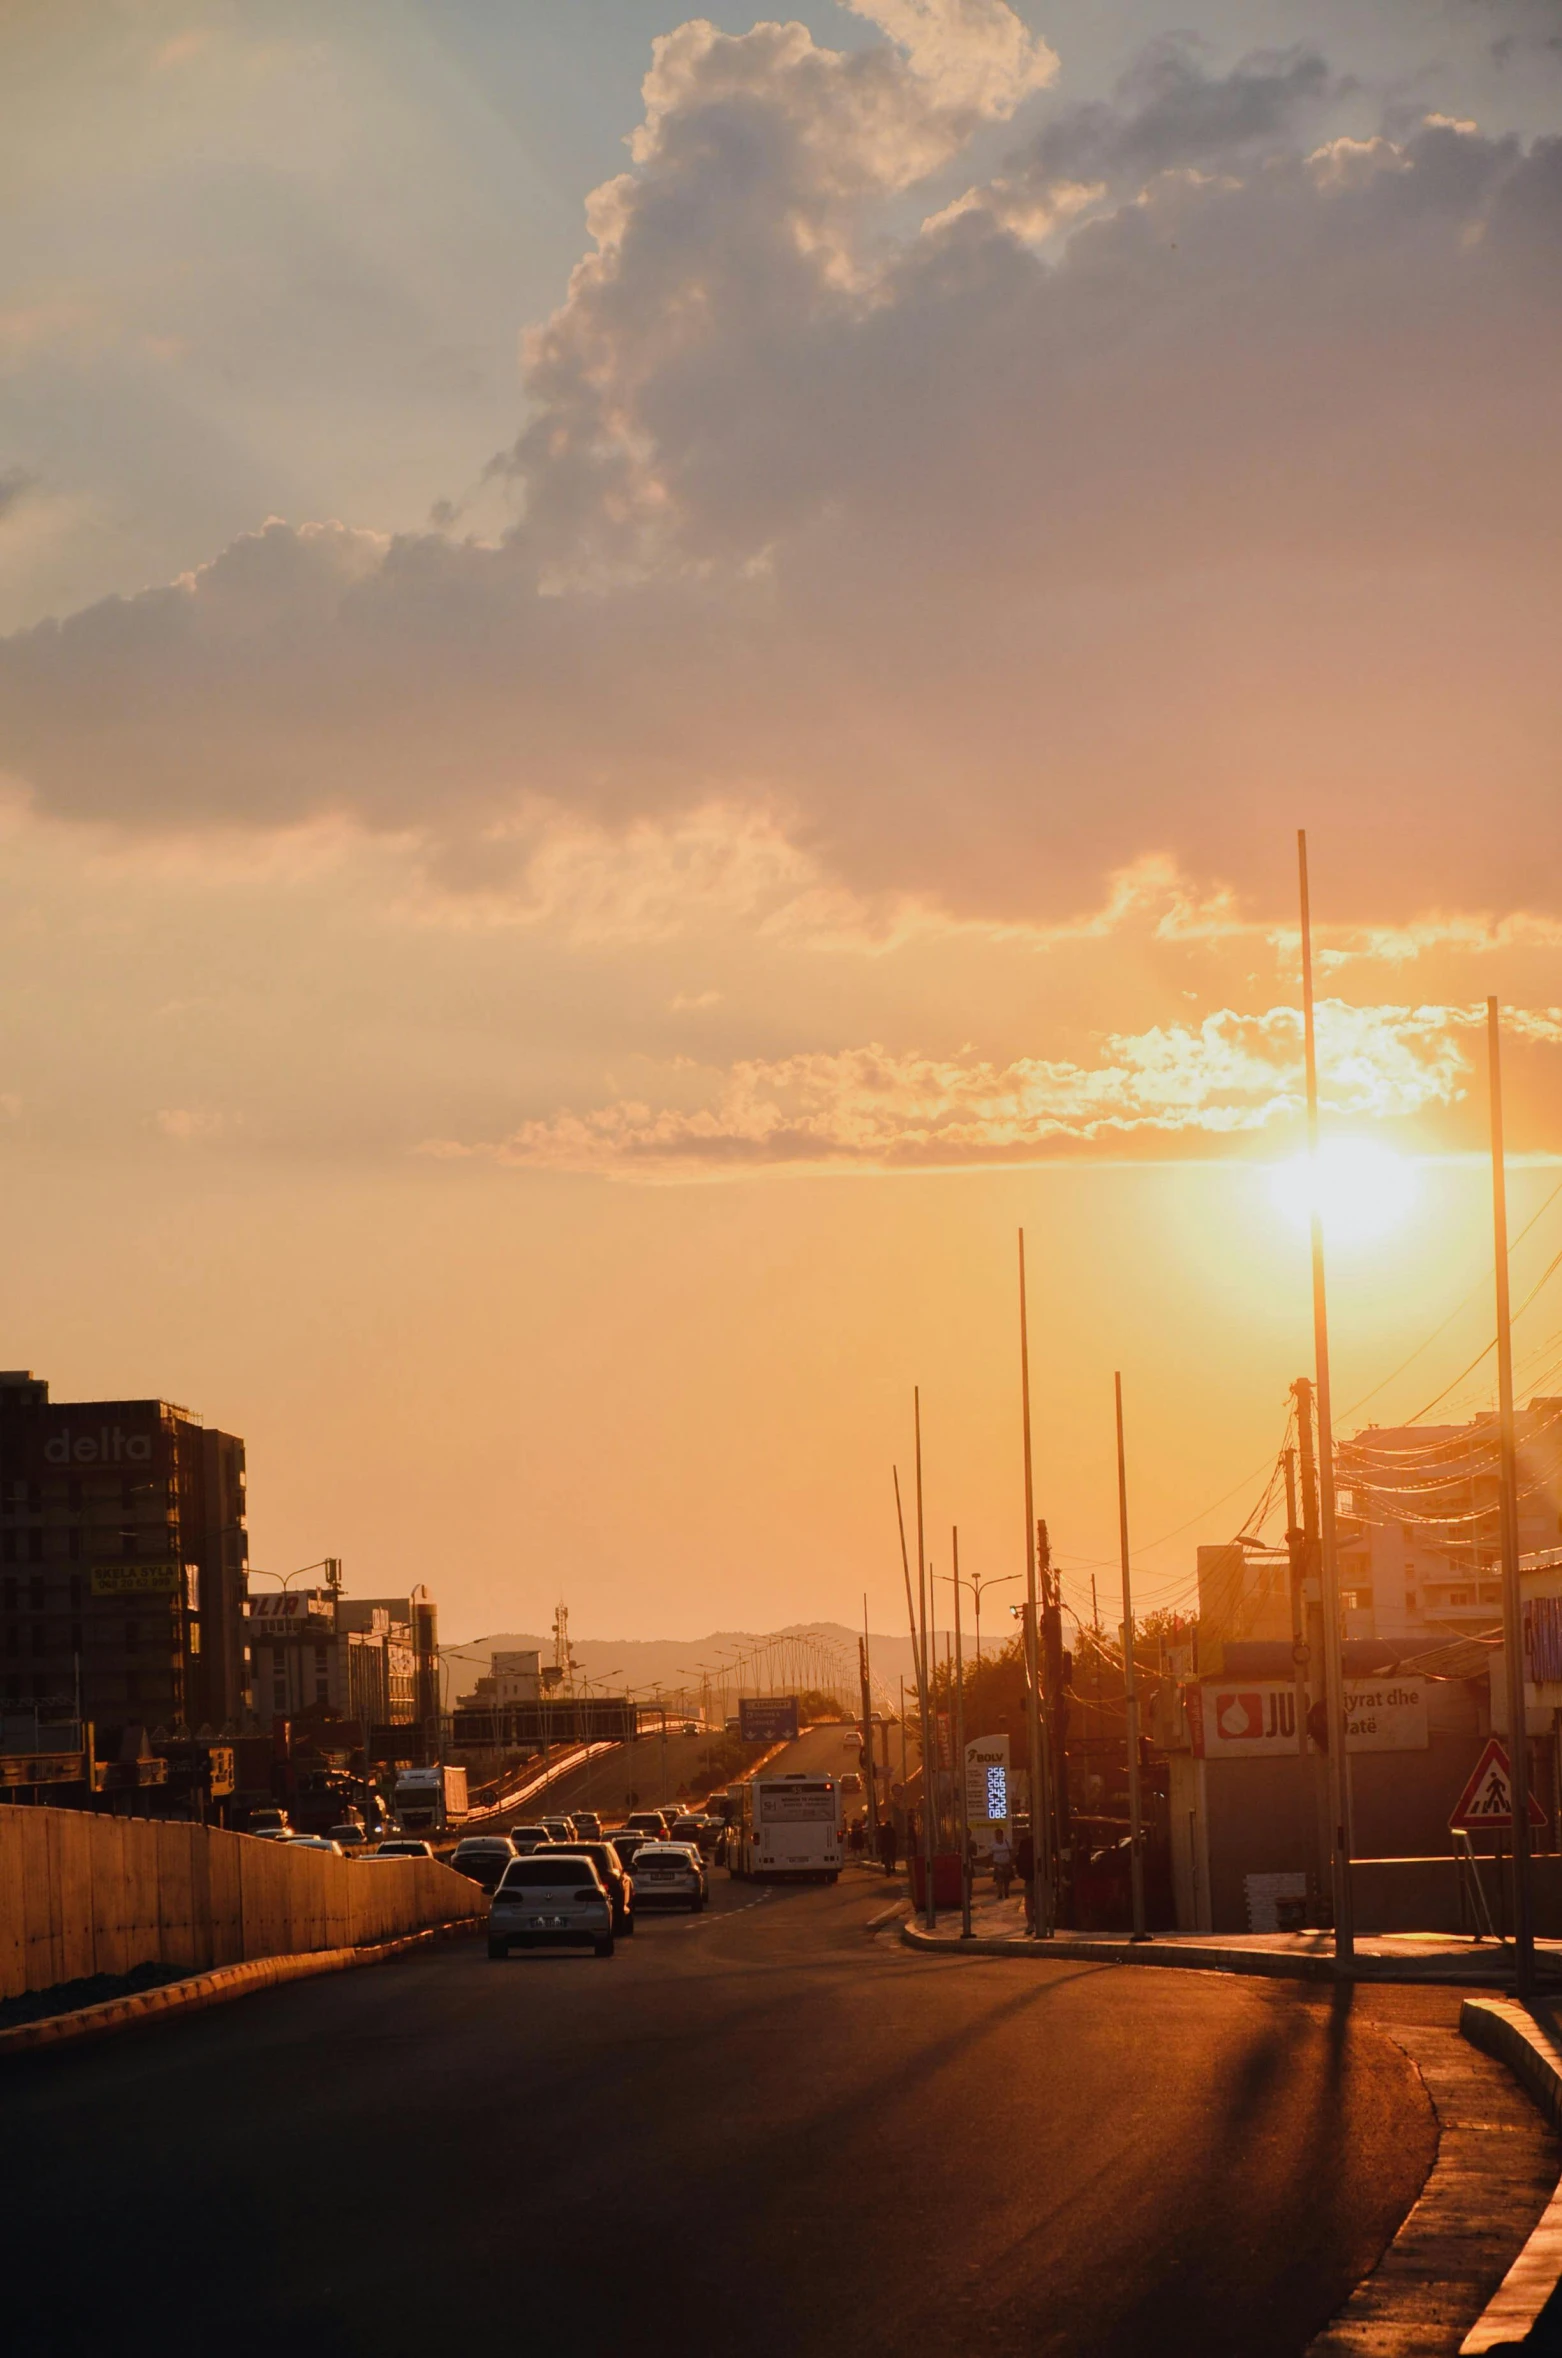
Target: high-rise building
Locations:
point(122, 1561)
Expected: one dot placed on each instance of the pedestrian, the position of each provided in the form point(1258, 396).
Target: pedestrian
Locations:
point(1025, 1862)
point(1003, 1863)
point(854, 1838)
point(889, 1847)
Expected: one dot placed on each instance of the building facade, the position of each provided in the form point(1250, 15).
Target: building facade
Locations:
point(316, 1654)
point(122, 1562)
point(1420, 1532)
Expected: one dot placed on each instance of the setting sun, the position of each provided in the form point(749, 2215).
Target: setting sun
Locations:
point(1362, 1189)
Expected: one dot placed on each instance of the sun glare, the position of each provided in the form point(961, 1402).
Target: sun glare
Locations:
point(1363, 1190)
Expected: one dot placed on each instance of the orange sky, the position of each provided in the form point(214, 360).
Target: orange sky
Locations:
point(556, 915)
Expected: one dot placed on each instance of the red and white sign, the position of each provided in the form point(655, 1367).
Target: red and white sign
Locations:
point(1487, 1799)
point(1239, 1716)
point(1255, 1719)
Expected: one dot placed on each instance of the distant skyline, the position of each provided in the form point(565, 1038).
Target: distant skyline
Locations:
point(656, 678)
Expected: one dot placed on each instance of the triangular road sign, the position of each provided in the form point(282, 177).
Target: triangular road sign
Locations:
point(1487, 1799)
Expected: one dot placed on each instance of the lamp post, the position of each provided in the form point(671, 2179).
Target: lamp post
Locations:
point(976, 1582)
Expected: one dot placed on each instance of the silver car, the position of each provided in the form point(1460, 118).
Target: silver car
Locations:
point(553, 1902)
point(668, 1874)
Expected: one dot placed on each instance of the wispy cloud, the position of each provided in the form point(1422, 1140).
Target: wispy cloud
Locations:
point(873, 1108)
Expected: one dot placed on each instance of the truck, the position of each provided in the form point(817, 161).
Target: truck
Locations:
point(431, 1800)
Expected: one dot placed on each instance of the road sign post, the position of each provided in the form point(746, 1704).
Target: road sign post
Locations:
point(1486, 1804)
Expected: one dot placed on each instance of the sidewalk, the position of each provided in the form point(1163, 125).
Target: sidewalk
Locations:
point(998, 1931)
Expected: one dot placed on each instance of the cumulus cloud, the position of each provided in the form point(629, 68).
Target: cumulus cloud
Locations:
point(976, 570)
point(870, 1108)
point(1169, 113)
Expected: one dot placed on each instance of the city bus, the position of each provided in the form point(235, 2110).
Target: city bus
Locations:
point(786, 1826)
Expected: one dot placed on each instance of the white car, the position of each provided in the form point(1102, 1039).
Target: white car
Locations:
point(404, 1846)
point(669, 1874)
point(551, 1902)
point(312, 1842)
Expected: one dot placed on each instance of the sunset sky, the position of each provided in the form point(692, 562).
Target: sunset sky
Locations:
point(658, 678)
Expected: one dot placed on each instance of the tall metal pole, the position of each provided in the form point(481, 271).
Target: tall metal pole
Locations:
point(1130, 1681)
point(929, 1914)
point(1040, 1812)
point(1334, 1664)
point(911, 1610)
point(964, 1808)
point(867, 1726)
point(1512, 1608)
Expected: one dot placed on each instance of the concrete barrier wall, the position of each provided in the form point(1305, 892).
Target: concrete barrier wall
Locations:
point(83, 1894)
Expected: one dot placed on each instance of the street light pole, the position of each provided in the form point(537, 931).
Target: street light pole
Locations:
point(1334, 1660)
point(1130, 1681)
point(1040, 1812)
point(929, 1914)
point(1512, 1607)
point(964, 1816)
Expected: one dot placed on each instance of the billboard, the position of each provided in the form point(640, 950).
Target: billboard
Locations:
point(116, 1438)
point(136, 1580)
point(1255, 1719)
point(767, 1719)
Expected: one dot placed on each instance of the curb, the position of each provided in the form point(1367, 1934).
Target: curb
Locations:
point(1272, 1963)
point(212, 1989)
point(1502, 2028)
point(1266, 1962)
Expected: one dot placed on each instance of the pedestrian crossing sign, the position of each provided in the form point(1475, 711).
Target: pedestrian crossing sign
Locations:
point(1487, 1799)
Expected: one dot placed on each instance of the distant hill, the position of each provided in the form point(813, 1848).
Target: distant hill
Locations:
point(636, 1664)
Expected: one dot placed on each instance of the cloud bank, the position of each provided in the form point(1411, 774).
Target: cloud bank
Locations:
point(1191, 476)
point(870, 1108)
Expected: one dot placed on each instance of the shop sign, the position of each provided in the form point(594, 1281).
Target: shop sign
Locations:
point(1255, 1719)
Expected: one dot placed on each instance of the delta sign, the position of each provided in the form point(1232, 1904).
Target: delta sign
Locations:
point(73, 1444)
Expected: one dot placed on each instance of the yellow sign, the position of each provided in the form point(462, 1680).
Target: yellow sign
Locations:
point(134, 1580)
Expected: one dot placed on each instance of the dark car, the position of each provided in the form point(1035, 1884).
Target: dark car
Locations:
point(652, 1823)
point(527, 1838)
point(627, 1840)
point(484, 1858)
point(604, 1856)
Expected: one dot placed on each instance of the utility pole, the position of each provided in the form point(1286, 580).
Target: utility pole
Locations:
point(1054, 1695)
point(1298, 1547)
point(963, 1816)
point(1130, 1682)
point(1334, 1661)
point(1040, 1812)
point(1512, 1607)
point(867, 1723)
point(929, 1914)
point(911, 1618)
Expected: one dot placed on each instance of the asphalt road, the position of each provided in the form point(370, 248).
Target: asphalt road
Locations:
point(761, 2129)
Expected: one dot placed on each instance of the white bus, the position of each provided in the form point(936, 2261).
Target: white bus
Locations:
point(786, 1826)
